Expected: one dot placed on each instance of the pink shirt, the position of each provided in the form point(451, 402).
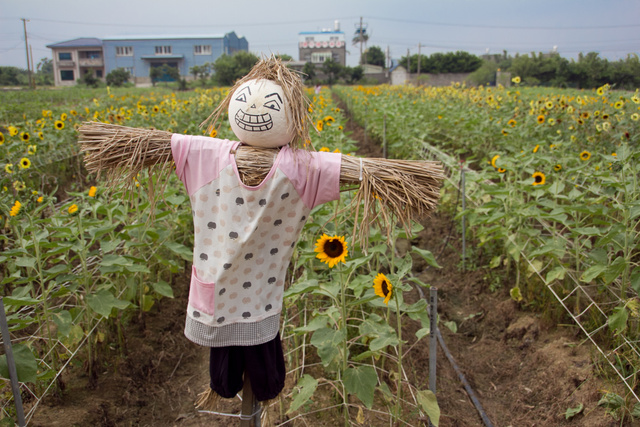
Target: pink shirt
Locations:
point(245, 236)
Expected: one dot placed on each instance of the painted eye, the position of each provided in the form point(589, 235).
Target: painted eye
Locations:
point(272, 105)
point(242, 97)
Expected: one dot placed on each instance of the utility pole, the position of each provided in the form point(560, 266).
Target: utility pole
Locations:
point(360, 31)
point(419, 60)
point(26, 46)
point(408, 63)
point(32, 67)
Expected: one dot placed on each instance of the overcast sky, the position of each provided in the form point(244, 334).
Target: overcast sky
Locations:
point(610, 27)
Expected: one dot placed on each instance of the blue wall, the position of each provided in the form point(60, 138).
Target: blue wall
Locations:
point(182, 52)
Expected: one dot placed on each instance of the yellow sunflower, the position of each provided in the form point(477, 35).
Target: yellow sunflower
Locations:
point(331, 250)
point(538, 178)
point(8, 168)
point(15, 209)
point(25, 163)
point(92, 191)
point(541, 119)
point(213, 133)
point(585, 155)
point(557, 167)
point(383, 287)
point(501, 170)
point(512, 123)
point(1, 138)
point(63, 117)
point(40, 135)
point(19, 185)
point(320, 125)
point(325, 149)
point(494, 159)
point(59, 124)
point(73, 209)
point(13, 131)
point(516, 80)
point(24, 136)
point(32, 149)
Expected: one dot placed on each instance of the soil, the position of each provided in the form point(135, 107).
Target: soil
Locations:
point(524, 369)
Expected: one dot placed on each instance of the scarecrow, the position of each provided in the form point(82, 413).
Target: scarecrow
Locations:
point(250, 199)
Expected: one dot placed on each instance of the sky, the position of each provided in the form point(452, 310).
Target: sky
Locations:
point(609, 27)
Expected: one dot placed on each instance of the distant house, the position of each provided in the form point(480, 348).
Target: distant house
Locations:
point(138, 54)
point(318, 46)
point(74, 58)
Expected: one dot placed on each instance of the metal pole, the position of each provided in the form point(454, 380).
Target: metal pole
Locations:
point(384, 136)
point(26, 46)
point(365, 124)
point(433, 337)
point(464, 207)
point(13, 374)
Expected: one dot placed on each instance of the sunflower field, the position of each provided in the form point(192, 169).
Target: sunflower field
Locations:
point(553, 211)
point(552, 192)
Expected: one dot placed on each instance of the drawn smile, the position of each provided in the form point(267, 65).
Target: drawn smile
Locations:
point(253, 122)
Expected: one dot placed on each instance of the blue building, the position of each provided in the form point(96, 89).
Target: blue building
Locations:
point(138, 54)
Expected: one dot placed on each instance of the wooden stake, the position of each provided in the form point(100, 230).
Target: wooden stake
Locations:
point(250, 415)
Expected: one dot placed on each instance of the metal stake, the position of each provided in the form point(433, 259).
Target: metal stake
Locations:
point(464, 207)
point(384, 136)
point(433, 337)
point(13, 374)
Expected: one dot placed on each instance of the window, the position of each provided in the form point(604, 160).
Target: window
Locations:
point(99, 73)
point(124, 50)
point(66, 75)
point(320, 57)
point(309, 39)
point(128, 70)
point(64, 56)
point(202, 49)
point(163, 50)
point(91, 54)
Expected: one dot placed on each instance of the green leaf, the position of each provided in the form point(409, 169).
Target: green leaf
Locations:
point(179, 249)
point(572, 412)
point(386, 337)
point(25, 361)
point(429, 404)
point(515, 293)
point(361, 381)
point(63, 321)
point(592, 272)
point(301, 287)
point(614, 270)
point(26, 261)
point(618, 320)
point(611, 401)
point(20, 301)
point(555, 273)
point(327, 341)
point(102, 302)
point(163, 288)
point(427, 256)
point(303, 391)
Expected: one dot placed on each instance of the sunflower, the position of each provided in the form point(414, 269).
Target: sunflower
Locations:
point(516, 80)
point(383, 287)
point(1, 138)
point(337, 150)
point(512, 123)
point(213, 133)
point(585, 115)
point(585, 155)
point(63, 117)
point(40, 135)
point(504, 132)
point(328, 120)
point(494, 159)
point(600, 91)
point(536, 148)
point(8, 168)
point(538, 178)
point(24, 136)
point(25, 163)
point(32, 149)
point(73, 209)
point(15, 209)
point(92, 191)
point(541, 119)
point(549, 105)
point(501, 170)
point(551, 121)
point(73, 112)
point(320, 125)
point(557, 167)
point(331, 250)
point(325, 149)
point(19, 185)
point(618, 105)
point(59, 124)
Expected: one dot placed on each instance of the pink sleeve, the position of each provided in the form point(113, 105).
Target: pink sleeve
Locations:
point(199, 159)
point(315, 175)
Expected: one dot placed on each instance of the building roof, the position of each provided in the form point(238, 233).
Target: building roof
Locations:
point(320, 32)
point(165, 37)
point(79, 42)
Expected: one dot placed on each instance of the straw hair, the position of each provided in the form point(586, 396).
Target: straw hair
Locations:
point(389, 190)
point(273, 69)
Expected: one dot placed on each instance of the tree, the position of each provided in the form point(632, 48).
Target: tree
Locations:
point(374, 56)
point(352, 74)
point(309, 71)
point(332, 70)
point(118, 77)
point(163, 72)
point(284, 57)
point(229, 68)
point(44, 73)
point(89, 79)
point(13, 76)
point(201, 72)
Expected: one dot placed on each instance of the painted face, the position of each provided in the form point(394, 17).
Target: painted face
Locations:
point(258, 114)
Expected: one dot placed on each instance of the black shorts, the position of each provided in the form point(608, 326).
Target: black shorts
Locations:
point(263, 364)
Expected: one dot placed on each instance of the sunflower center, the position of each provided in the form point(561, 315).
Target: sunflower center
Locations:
point(385, 287)
point(538, 179)
point(333, 248)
